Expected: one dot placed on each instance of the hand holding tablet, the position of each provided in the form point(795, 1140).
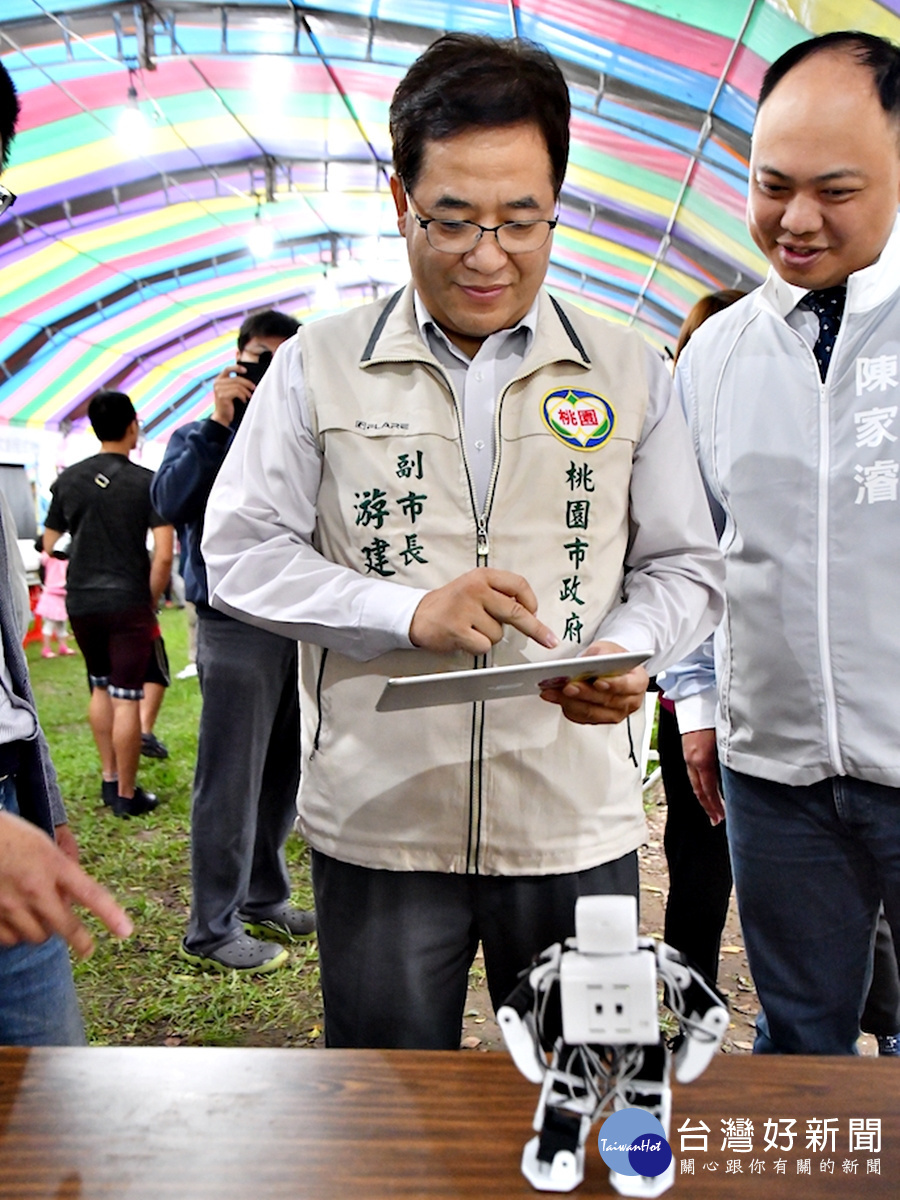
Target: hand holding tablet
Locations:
point(496, 683)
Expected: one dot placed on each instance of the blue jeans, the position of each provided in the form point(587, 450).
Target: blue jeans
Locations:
point(38, 1005)
point(811, 866)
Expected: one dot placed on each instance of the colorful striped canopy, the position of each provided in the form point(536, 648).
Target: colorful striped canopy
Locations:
point(131, 262)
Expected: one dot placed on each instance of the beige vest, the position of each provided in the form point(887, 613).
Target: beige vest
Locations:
point(508, 787)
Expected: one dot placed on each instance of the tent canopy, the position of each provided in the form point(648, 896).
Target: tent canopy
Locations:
point(260, 176)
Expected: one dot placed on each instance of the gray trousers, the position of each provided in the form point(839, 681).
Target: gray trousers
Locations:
point(248, 773)
point(395, 947)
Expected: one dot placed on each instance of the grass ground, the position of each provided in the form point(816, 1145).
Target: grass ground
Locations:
point(139, 992)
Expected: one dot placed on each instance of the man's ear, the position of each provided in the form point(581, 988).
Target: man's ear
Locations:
point(398, 191)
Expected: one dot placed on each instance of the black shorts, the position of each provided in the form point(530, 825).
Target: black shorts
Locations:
point(117, 648)
point(158, 666)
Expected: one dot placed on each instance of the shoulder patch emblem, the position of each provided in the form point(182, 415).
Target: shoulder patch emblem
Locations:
point(582, 420)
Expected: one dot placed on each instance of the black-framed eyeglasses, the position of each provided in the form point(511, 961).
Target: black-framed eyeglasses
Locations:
point(7, 199)
point(460, 237)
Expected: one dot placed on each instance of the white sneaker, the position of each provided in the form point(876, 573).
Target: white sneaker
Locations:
point(188, 672)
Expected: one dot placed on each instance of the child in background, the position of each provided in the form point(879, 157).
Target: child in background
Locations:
point(51, 605)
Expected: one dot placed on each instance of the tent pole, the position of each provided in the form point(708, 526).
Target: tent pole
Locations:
point(705, 130)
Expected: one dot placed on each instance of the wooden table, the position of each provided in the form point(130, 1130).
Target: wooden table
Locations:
point(222, 1124)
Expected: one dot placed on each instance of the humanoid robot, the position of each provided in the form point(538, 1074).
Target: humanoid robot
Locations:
point(592, 1007)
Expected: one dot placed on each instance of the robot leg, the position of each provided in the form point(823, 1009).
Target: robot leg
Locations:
point(554, 1160)
point(648, 1088)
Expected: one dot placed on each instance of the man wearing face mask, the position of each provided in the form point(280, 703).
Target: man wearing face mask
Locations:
point(248, 753)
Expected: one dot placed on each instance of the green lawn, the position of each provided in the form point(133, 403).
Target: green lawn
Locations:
point(139, 992)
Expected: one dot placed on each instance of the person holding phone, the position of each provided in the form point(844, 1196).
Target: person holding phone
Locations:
point(248, 753)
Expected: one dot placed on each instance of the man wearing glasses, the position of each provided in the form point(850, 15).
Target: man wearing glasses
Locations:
point(415, 482)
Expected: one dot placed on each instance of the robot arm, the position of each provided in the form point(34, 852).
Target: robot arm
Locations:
point(518, 1019)
point(701, 1012)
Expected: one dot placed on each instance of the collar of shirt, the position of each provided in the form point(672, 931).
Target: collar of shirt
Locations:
point(505, 343)
point(478, 382)
point(786, 300)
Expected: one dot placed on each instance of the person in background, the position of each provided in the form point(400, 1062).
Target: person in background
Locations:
point(696, 850)
point(51, 605)
point(40, 880)
point(248, 750)
point(113, 592)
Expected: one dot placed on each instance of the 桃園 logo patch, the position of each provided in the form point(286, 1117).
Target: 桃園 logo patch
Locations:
point(582, 420)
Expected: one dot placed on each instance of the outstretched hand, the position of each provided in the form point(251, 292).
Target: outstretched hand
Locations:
point(39, 884)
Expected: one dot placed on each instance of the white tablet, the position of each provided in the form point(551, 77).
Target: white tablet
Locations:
point(499, 683)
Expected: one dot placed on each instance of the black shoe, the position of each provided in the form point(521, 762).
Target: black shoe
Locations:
point(109, 791)
point(889, 1045)
point(152, 747)
point(135, 806)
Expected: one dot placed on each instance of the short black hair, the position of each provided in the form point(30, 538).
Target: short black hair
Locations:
point(878, 54)
point(465, 81)
point(110, 415)
point(268, 323)
point(9, 113)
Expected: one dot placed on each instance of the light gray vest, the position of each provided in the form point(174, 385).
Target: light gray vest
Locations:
point(510, 787)
point(807, 477)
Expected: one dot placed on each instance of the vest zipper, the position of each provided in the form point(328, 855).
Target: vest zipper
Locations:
point(319, 677)
point(473, 841)
point(476, 773)
point(822, 574)
point(483, 544)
